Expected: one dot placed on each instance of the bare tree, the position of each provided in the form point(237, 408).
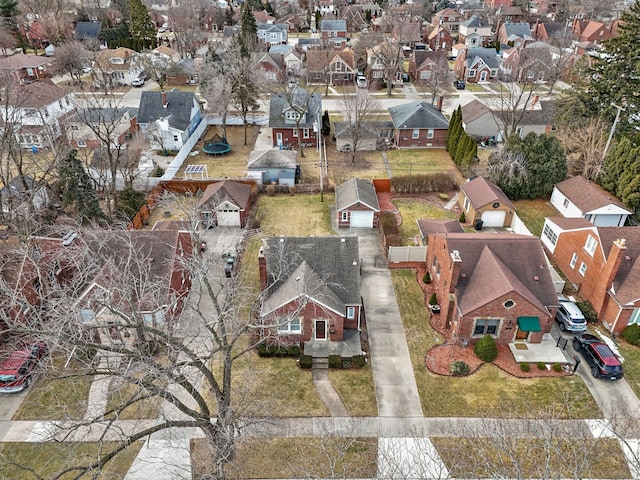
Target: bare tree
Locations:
point(216, 80)
point(319, 68)
point(71, 59)
point(584, 142)
point(385, 57)
point(360, 110)
point(510, 106)
point(156, 66)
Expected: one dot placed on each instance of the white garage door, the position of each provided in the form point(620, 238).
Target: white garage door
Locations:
point(493, 218)
point(361, 219)
point(228, 218)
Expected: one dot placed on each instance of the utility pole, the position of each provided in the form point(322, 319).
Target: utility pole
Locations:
point(613, 128)
point(321, 174)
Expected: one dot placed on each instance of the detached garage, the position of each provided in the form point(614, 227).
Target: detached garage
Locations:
point(357, 204)
point(225, 204)
point(485, 204)
point(493, 218)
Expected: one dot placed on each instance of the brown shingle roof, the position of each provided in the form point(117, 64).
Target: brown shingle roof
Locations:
point(474, 110)
point(39, 94)
point(21, 60)
point(571, 223)
point(234, 192)
point(586, 195)
point(430, 226)
point(481, 192)
point(626, 284)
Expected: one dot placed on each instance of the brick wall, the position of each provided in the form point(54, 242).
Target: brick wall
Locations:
point(404, 138)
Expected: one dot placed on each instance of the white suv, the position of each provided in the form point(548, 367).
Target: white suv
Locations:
point(569, 316)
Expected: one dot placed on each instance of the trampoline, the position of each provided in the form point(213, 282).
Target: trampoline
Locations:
point(216, 148)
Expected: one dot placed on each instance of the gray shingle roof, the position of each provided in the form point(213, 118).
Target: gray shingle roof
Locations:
point(417, 115)
point(356, 190)
point(281, 102)
point(337, 25)
point(519, 29)
point(488, 56)
point(324, 268)
point(85, 30)
point(178, 111)
point(274, 158)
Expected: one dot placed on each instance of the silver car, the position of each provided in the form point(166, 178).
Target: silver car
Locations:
point(569, 317)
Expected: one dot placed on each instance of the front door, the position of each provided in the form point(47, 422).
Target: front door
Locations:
point(321, 330)
point(522, 335)
point(279, 139)
point(483, 76)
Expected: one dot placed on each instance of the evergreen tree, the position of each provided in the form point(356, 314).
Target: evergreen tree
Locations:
point(76, 188)
point(622, 173)
point(249, 26)
point(228, 16)
point(269, 9)
point(140, 25)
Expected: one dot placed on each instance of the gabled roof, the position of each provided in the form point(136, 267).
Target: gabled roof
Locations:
point(273, 158)
point(626, 284)
point(367, 129)
point(487, 55)
point(86, 30)
point(333, 25)
point(356, 190)
point(474, 110)
point(481, 192)
point(418, 115)
point(517, 29)
point(300, 99)
point(96, 115)
point(39, 94)
point(474, 21)
point(235, 193)
point(566, 223)
point(544, 114)
point(326, 269)
point(428, 226)
point(273, 27)
point(424, 57)
point(177, 112)
point(494, 264)
point(586, 195)
point(21, 60)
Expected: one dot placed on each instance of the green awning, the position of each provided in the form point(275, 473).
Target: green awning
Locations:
point(529, 324)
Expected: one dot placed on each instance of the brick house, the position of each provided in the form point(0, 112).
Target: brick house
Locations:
point(26, 68)
point(312, 289)
point(484, 201)
point(418, 124)
point(440, 39)
point(225, 204)
point(590, 31)
point(357, 204)
point(333, 33)
point(602, 263)
point(450, 19)
point(516, 34)
point(429, 67)
point(292, 116)
point(492, 283)
point(477, 64)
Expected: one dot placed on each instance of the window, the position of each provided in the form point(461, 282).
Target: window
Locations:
point(430, 133)
point(175, 138)
point(425, 74)
point(472, 73)
point(493, 73)
point(467, 203)
point(583, 268)
point(509, 304)
point(305, 133)
point(60, 103)
point(590, 245)
point(574, 259)
point(565, 204)
point(351, 312)
point(292, 115)
point(75, 128)
point(416, 133)
point(293, 326)
point(486, 326)
point(274, 36)
point(82, 143)
point(344, 216)
point(530, 74)
point(295, 132)
point(550, 234)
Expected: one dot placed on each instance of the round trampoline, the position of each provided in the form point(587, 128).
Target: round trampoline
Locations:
point(216, 148)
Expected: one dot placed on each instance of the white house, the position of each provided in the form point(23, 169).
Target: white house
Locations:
point(577, 197)
point(115, 66)
point(272, 34)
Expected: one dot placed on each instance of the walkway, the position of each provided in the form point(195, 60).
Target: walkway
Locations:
point(396, 389)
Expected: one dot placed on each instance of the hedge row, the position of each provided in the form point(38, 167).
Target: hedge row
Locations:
point(335, 361)
point(433, 182)
point(265, 350)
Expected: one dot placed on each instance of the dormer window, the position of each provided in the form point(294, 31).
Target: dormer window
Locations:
point(292, 115)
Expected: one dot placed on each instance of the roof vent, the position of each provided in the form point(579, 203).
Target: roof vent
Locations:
point(68, 238)
point(463, 275)
point(536, 278)
point(343, 240)
point(627, 258)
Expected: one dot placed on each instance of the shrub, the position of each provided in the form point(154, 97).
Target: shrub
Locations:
point(541, 365)
point(335, 361)
point(632, 334)
point(435, 182)
point(157, 171)
point(388, 222)
point(588, 311)
point(359, 361)
point(433, 299)
point(557, 367)
point(305, 361)
point(393, 240)
point(443, 196)
point(459, 368)
point(524, 367)
point(486, 349)
point(462, 218)
point(427, 278)
point(264, 350)
point(271, 190)
point(347, 363)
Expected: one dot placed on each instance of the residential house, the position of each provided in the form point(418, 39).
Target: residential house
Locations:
point(329, 66)
point(357, 204)
point(375, 9)
point(379, 59)
point(168, 54)
point(87, 30)
point(590, 31)
point(537, 118)
point(272, 66)
point(288, 58)
point(418, 124)
point(272, 34)
point(578, 197)
point(26, 68)
point(295, 22)
point(262, 16)
point(371, 135)
point(168, 118)
point(479, 121)
point(509, 13)
point(532, 63)
point(22, 197)
point(407, 33)
point(325, 7)
point(312, 289)
point(439, 38)
point(602, 263)
point(307, 44)
point(450, 19)
point(485, 204)
point(115, 66)
point(102, 127)
point(274, 166)
point(186, 71)
point(430, 226)
point(492, 284)
point(225, 204)
point(475, 32)
point(355, 18)
point(515, 34)
point(294, 117)
point(334, 33)
point(36, 113)
point(551, 32)
point(478, 64)
point(428, 67)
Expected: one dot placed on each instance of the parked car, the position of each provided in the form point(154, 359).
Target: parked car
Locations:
point(137, 82)
point(459, 84)
point(17, 370)
point(569, 316)
point(603, 362)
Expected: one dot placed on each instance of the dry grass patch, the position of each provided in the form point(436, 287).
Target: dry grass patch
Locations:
point(412, 209)
point(422, 162)
point(173, 207)
point(532, 458)
point(533, 213)
point(356, 389)
point(138, 404)
point(45, 459)
point(329, 457)
point(298, 215)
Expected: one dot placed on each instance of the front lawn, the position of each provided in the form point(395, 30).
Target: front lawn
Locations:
point(422, 162)
point(488, 392)
point(412, 209)
point(631, 365)
point(356, 389)
point(533, 213)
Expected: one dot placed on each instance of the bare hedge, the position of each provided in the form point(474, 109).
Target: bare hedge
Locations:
point(434, 182)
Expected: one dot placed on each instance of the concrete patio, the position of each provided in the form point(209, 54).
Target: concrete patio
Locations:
point(545, 351)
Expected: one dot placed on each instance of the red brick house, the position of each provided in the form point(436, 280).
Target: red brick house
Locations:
point(602, 263)
point(440, 39)
point(478, 64)
point(450, 19)
point(357, 204)
point(418, 125)
point(492, 283)
point(312, 294)
point(427, 67)
point(591, 31)
point(26, 68)
point(292, 116)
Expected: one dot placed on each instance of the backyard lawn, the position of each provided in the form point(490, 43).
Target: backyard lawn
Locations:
point(412, 209)
point(533, 213)
point(298, 215)
point(422, 161)
point(489, 391)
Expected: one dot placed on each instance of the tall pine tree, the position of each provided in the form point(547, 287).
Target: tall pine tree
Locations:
point(142, 29)
point(76, 189)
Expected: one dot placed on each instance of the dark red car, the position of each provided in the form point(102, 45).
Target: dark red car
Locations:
point(17, 370)
point(603, 362)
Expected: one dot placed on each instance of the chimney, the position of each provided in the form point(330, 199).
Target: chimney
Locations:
point(163, 95)
point(439, 104)
point(609, 272)
point(534, 101)
point(456, 263)
point(262, 268)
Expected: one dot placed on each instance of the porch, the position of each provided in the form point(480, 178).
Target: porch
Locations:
point(350, 346)
point(546, 351)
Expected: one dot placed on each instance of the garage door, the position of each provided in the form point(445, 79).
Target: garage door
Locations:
point(361, 219)
point(493, 218)
point(228, 218)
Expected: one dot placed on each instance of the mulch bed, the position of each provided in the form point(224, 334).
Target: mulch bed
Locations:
point(439, 357)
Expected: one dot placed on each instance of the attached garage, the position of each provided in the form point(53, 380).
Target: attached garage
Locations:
point(361, 219)
point(494, 218)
